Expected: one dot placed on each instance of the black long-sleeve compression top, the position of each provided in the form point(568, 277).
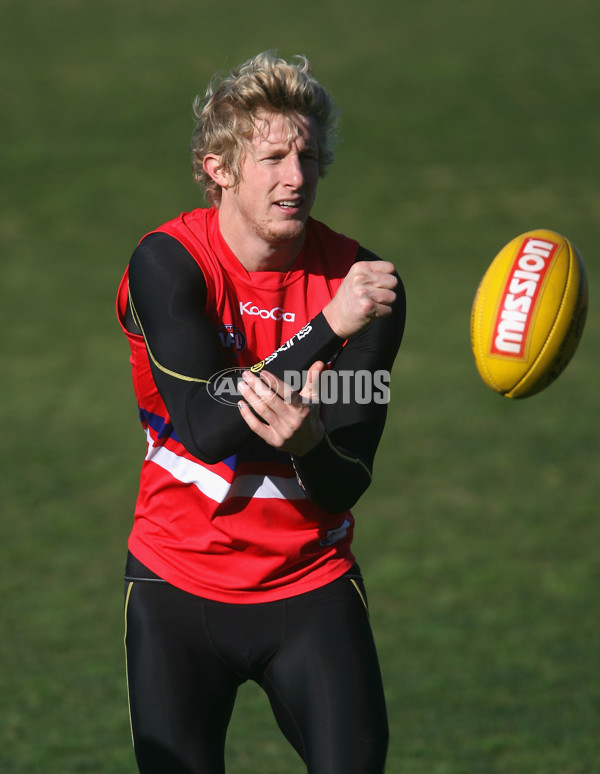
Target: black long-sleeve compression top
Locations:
point(167, 305)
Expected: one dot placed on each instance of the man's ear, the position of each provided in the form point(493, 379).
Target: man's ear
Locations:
point(216, 171)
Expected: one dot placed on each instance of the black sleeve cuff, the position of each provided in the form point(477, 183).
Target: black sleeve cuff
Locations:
point(315, 341)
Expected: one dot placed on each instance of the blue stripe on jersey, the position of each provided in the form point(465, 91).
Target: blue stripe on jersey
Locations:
point(161, 427)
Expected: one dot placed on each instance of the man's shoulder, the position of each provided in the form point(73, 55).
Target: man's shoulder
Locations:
point(191, 229)
point(326, 233)
point(332, 245)
point(196, 220)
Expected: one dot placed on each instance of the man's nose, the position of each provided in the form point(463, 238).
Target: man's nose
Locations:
point(294, 173)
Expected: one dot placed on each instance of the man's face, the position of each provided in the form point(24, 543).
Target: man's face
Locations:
point(278, 178)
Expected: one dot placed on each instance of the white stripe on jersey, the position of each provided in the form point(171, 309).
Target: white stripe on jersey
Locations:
point(218, 488)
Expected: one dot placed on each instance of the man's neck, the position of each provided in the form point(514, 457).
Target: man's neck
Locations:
point(257, 254)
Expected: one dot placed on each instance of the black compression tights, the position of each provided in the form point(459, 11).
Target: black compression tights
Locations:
point(312, 654)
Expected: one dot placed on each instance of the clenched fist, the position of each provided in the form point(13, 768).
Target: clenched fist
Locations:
point(367, 292)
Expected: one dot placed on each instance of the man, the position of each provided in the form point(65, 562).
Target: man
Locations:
point(240, 564)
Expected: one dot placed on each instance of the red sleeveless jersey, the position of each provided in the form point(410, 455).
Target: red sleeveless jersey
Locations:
point(241, 530)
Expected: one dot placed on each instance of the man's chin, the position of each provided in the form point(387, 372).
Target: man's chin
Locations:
point(282, 234)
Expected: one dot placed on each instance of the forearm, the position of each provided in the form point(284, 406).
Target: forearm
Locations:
point(337, 472)
point(213, 430)
point(332, 477)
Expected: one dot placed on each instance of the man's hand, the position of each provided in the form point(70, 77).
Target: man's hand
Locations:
point(291, 420)
point(366, 292)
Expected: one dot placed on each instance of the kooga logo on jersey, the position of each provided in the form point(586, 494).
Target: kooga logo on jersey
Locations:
point(277, 313)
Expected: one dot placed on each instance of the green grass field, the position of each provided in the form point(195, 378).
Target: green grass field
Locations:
point(464, 123)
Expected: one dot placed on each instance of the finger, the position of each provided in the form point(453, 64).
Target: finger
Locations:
point(272, 419)
point(381, 268)
point(371, 283)
point(385, 267)
point(258, 427)
point(376, 303)
point(387, 281)
point(310, 391)
point(271, 388)
point(265, 386)
point(383, 280)
point(281, 388)
point(281, 414)
point(383, 297)
point(260, 398)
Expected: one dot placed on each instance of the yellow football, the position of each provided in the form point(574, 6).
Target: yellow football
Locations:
point(529, 313)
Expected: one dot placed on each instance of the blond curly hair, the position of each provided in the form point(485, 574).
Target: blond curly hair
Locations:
point(225, 115)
